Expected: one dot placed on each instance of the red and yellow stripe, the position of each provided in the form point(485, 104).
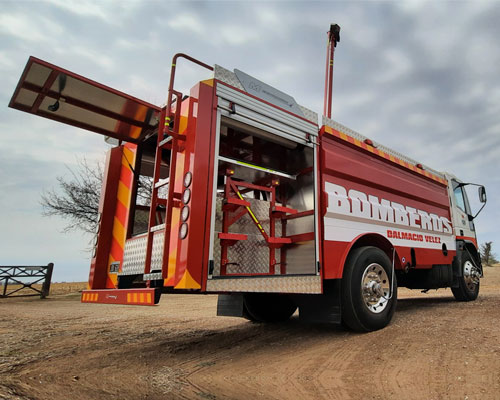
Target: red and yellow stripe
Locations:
point(120, 220)
point(383, 154)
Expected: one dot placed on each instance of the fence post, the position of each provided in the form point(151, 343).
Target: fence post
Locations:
point(46, 283)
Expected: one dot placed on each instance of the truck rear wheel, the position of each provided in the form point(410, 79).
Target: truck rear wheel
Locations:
point(264, 307)
point(367, 301)
point(468, 283)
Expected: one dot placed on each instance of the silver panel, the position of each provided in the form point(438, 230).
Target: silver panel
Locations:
point(268, 93)
point(356, 135)
point(247, 165)
point(307, 284)
point(226, 76)
point(259, 109)
point(153, 276)
point(309, 114)
point(134, 254)
point(316, 206)
point(267, 126)
point(214, 189)
point(300, 259)
point(245, 225)
point(252, 255)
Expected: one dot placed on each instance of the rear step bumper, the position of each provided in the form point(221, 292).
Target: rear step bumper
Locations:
point(139, 297)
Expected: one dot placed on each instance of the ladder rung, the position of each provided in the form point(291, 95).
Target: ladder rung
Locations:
point(165, 141)
point(157, 227)
point(162, 182)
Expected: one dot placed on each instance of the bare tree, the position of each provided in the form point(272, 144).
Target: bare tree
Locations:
point(487, 256)
point(77, 198)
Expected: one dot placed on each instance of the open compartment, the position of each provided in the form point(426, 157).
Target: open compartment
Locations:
point(265, 204)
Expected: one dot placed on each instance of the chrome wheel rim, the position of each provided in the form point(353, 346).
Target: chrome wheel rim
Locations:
point(471, 276)
point(375, 286)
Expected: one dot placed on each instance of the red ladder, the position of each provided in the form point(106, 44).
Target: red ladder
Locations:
point(168, 138)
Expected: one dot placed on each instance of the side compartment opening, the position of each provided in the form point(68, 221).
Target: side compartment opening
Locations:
point(265, 205)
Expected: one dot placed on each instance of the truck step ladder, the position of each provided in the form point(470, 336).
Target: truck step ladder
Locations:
point(170, 138)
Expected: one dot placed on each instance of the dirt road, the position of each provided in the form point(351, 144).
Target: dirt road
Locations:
point(435, 348)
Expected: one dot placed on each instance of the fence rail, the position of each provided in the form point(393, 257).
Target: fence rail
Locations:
point(17, 275)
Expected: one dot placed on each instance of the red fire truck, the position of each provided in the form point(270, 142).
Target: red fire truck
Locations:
point(255, 201)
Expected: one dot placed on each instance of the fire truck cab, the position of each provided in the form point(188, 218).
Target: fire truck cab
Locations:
point(235, 189)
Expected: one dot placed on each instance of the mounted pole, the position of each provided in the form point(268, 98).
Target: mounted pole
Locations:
point(333, 39)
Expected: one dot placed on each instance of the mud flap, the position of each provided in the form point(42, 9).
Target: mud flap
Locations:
point(321, 308)
point(230, 305)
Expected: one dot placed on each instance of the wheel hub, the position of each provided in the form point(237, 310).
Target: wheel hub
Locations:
point(471, 275)
point(375, 288)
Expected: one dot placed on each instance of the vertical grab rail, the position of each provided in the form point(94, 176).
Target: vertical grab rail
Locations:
point(167, 134)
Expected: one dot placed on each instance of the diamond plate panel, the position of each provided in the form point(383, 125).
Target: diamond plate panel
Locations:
point(309, 114)
point(245, 224)
point(134, 254)
point(252, 255)
point(224, 75)
point(310, 284)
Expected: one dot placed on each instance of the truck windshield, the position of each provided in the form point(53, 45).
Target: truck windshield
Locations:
point(459, 197)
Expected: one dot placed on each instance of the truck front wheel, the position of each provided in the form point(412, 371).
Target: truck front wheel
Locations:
point(468, 283)
point(264, 307)
point(368, 301)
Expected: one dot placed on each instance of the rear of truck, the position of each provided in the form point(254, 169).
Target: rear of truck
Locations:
point(244, 196)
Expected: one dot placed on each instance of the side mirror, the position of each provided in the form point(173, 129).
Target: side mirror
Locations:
point(482, 194)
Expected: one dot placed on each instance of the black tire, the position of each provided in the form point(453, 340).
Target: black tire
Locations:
point(264, 307)
point(359, 313)
point(466, 291)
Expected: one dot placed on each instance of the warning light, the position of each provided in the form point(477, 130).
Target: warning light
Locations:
point(229, 172)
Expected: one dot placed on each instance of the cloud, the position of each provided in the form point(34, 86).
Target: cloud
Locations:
point(186, 22)
point(105, 10)
point(25, 28)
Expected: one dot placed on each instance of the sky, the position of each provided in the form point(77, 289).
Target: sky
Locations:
point(420, 77)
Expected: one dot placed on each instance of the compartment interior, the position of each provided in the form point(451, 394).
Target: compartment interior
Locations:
point(264, 222)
